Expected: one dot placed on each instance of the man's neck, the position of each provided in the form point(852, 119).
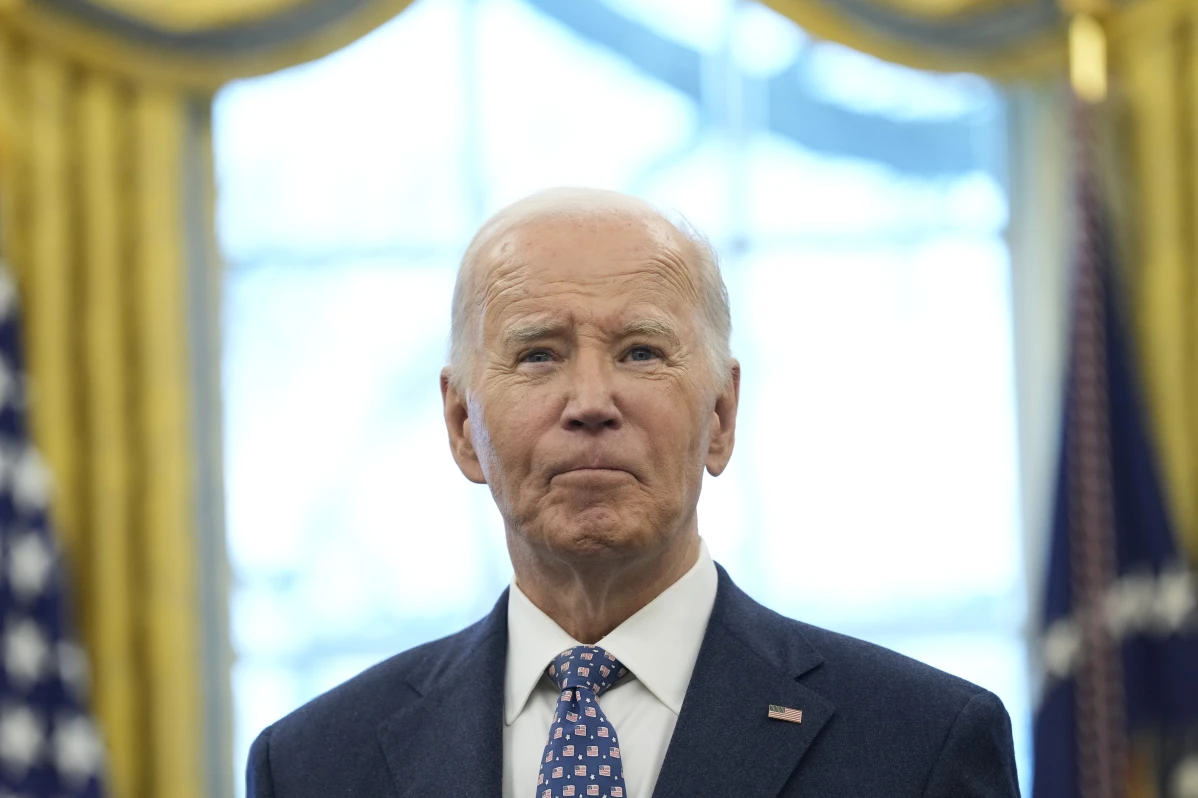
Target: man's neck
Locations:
point(589, 599)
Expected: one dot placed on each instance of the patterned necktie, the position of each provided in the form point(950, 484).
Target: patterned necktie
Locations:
point(582, 757)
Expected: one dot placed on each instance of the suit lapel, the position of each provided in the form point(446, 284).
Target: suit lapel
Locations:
point(450, 740)
point(724, 742)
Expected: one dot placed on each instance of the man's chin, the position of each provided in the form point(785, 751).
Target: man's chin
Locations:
point(597, 533)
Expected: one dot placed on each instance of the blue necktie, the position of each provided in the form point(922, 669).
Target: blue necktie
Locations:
point(582, 757)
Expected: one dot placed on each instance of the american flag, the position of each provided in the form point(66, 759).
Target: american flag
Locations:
point(786, 713)
point(48, 745)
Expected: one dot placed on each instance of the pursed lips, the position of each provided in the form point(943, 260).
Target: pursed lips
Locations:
point(595, 469)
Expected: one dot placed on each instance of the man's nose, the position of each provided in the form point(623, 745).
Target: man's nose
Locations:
point(591, 403)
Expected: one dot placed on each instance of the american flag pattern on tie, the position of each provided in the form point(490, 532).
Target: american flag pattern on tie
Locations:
point(582, 755)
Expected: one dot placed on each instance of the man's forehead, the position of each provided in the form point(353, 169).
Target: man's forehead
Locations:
point(534, 240)
point(561, 255)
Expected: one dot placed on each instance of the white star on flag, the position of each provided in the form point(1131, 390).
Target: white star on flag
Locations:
point(25, 651)
point(31, 481)
point(29, 566)
point(21, 739)
point(73, 669)
point(78, 751)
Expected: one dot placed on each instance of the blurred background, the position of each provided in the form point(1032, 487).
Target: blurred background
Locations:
point(958, 239)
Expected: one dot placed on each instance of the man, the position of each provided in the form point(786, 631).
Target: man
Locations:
point(590, 384)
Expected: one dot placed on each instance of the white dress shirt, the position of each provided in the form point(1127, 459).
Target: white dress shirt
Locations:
point(658, 645)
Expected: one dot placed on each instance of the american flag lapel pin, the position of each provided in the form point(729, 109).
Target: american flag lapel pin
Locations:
point(786, 713)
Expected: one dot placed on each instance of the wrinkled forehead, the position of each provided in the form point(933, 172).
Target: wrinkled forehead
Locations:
point(615, 255)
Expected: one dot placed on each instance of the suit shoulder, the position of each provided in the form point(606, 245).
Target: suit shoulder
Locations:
point(359, 704)
point(860, 663)
point(331, 745)
point(854, 672)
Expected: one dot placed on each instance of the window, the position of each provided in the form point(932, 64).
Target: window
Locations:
point(860, 210)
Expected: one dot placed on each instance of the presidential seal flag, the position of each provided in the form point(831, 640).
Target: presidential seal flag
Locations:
point(1118, 713)
point(49, 747)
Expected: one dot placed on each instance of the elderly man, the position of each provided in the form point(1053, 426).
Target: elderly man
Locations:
point(590, 384)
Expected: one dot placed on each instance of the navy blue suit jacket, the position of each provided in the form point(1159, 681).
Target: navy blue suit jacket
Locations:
point(429, 721)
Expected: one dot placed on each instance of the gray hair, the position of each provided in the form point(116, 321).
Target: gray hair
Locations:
point(569, 204)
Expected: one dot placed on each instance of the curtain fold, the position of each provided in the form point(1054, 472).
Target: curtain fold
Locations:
point(1156, 63)
point(199, 45)
point(91, 178)
point(98, 132)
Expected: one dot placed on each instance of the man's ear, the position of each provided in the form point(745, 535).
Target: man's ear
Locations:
point(457, 422)
point(723, 425)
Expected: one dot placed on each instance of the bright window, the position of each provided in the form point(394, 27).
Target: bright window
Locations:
point(860, 209)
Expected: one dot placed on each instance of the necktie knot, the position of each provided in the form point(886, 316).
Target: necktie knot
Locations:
point(586, 666)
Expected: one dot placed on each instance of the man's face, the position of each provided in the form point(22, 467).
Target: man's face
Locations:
point(592, 410)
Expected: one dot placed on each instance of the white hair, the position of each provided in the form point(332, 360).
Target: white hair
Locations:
point(572, 204)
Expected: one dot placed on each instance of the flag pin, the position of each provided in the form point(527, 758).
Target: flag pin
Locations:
point(786, 713)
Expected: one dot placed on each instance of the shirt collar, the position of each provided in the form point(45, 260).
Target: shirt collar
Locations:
point(659, 644)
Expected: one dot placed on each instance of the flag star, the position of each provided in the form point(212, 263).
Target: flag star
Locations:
point(25, 651)
point(73, 668)
point(20, 738)
point(1061, 646)
point(78, 751)
point(1128, 603)
point(31, 481)
point(1184, 779)
point(30, 565)
point(1176, 599)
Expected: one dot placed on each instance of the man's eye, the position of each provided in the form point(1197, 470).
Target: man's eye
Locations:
point(641, 353)
point(537, 356)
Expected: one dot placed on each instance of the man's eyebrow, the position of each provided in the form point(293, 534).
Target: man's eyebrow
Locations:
point(652, 328)
point(528, 332)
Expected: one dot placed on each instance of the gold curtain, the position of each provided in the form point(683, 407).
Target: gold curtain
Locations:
point(199, 44)
point(981, 36)
point(105, 160)
point(106, 200)
point(1155, 59)
point(92, 170)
